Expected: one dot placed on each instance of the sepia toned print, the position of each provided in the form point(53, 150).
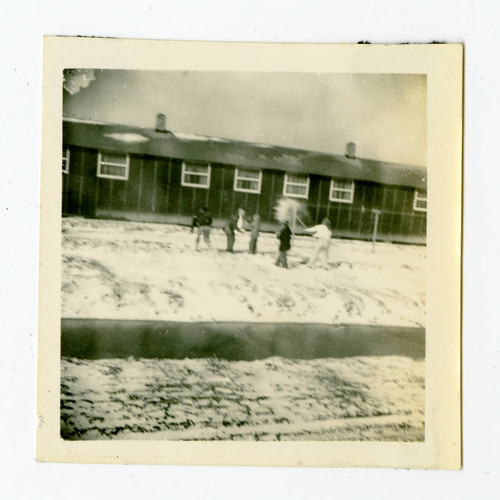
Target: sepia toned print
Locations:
point(243, 256)
point(145, 211)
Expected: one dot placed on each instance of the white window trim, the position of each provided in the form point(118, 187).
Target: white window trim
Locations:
point(237, 178)
point(343, 190)
point(189, 184)
point(418, 198)
point(294, 195)
point(66, 157)
point(126, 166)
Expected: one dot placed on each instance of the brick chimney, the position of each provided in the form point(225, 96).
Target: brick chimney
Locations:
point(350, 150)
point(161, 122)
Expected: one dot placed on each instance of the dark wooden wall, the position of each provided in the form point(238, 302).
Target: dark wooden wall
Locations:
point(154, 186)
point(79, 186)
point(395, 203)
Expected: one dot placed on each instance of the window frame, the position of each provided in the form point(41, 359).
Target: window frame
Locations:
point(286, 182)
point(189, 184)
point(126, 166)
point(238, 178)
point(66, 159)
point(343, 190)
point(417, 198)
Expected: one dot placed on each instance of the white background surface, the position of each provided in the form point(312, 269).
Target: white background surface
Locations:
point(23, 24)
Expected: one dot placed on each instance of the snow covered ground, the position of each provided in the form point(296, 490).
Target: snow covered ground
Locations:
point(365, 398)
point(127, 270)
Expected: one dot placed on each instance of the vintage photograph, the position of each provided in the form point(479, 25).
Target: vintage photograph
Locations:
point(243, 255)
point(251, 255)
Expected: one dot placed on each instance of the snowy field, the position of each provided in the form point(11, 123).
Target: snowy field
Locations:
point(126, 270)
point(366, 398)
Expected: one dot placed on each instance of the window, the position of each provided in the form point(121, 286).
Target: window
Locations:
point(342, 191)
point(65, 161)
point(420, 201)
point(113, 166)
point(247, 181)
point(296, 186)
point(195, 175)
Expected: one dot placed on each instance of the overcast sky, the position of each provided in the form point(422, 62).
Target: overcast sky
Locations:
point(384, 114)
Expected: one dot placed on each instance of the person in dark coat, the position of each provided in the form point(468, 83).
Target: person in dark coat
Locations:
point(229, 228)
point(285, 236)
point(254, 233)
point(203, 222)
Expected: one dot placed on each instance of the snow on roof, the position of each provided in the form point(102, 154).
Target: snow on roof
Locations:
point(194, 137)
point(73, 119)
point(129, 137)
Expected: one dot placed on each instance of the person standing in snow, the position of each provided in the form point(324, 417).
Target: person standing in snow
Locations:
point(323, 233)
point(234, 224)
point(229, 228)
point(285, 236)
point(241, 220)
point(254, 233)
point(203, 222)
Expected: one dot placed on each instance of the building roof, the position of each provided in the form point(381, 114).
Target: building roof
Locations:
point(143, 141)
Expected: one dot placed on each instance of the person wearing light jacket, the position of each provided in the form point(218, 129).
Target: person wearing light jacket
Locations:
point(323, 233)
point(241, 220)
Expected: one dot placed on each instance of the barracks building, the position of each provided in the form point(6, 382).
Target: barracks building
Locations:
point(156, 175)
